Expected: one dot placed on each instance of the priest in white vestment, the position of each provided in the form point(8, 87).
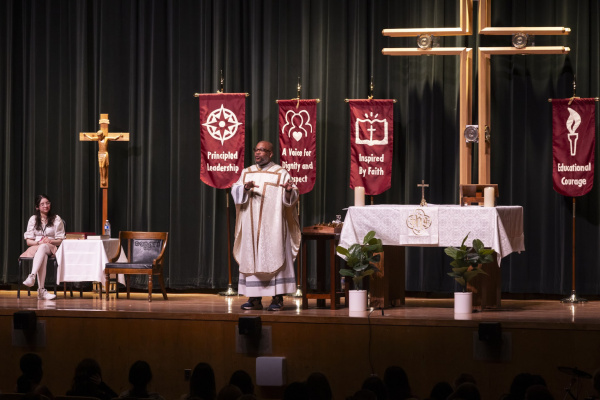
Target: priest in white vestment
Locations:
point(267, 231)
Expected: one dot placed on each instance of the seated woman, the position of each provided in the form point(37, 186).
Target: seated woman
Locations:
point(45, 232)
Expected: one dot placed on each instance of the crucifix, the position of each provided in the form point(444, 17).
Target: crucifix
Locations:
point(423, 185)
point(103, 137)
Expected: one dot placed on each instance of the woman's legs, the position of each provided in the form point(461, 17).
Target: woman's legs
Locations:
point(40, 260)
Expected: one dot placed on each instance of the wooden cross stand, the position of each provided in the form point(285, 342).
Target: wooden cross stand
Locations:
point(103, 137)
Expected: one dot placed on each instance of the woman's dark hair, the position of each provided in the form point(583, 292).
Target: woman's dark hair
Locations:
point(243, 380)
point(202, 382)
point(38, 216)
point(396, 382)
point(318, 387)
point(86, 368)
point(140, 374)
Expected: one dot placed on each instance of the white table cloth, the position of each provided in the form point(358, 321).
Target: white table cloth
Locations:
point(84, 260)
point(500, 228)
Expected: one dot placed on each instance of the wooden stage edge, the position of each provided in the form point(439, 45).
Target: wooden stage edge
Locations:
point(423, 336)
point(550, 314)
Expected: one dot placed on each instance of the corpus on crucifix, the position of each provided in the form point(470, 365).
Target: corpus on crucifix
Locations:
point(103, 137)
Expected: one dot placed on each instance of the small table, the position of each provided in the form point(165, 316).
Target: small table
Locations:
point(84, 260)
point(332, 295)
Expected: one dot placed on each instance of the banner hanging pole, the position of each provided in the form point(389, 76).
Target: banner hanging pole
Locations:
point(298, 292)
point(229, 291)
point(573, 298)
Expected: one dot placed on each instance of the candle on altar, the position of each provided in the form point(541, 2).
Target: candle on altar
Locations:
point(359, 196)
point(489, 197)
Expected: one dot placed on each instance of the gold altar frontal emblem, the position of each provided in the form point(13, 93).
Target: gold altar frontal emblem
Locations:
point(418, 222)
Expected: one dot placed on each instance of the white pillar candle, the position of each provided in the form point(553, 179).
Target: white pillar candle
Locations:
point(489, 197)
point(359, 196)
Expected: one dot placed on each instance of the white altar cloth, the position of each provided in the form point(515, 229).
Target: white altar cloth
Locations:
point(84, 260)
point(500, 228)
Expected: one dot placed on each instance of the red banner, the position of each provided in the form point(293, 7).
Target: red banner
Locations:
point(297, 141)
point(371, 140)
point(222, 132)
point(573, 146)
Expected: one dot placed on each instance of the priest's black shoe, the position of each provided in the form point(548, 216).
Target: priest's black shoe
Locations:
point(253, 303)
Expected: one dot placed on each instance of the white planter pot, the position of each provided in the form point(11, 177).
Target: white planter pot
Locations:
point(358, 300)
point(463, 302)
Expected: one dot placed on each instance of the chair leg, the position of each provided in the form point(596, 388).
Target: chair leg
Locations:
point(20, 275)
point(161, 280)
point(107, 284)
point(128, 284)
point(150, 287)
point(99, 284)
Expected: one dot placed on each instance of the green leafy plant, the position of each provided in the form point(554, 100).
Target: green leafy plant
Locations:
point(360, 259)
point(466, 261)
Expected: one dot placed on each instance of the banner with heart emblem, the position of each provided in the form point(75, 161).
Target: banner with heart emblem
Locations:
point(573, 145)
point(297, 141)
point(371, 144)
point(222, 136)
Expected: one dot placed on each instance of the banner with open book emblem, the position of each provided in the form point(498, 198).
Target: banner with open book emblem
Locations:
point(222, 135)
point(297, 141)
point(371, 140)
point(573, 145)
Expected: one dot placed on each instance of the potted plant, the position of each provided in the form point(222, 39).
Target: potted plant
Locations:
point(466, 264)
point(360, 259)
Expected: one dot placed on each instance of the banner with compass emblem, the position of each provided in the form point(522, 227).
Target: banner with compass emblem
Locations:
point(371, 144)
point(222, 135)
point(297, 141)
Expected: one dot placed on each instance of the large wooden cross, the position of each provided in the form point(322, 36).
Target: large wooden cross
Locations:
point(103, 137)
point(465, 20)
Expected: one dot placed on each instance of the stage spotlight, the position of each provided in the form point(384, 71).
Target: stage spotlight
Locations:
point(250, 326)
point(490, 332)
point(25, 321)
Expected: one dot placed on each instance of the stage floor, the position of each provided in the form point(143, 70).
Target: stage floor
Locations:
point(416, 311)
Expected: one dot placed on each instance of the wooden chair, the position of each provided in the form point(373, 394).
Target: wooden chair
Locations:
point(145, 255)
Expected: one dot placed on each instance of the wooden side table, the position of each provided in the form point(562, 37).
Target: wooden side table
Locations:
point(322, 294)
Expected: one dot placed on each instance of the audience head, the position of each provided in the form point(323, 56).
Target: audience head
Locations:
point(295, 391)
point(229, 392)
point(318, 387)
point(85, 370)
point(31, 366)
point(465, 391)
point(202, 382)
point(375, 385)
point(596, 381)
point(521, 382)
point(396, 382)
point(242, 380)
point(538, 392)
point(140, 374)
point(440, 391)
point(364, 394)
point(464, 378)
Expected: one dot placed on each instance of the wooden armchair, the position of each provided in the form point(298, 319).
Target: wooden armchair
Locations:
point(145, 255)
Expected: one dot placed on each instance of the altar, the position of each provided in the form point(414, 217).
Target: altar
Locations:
point(500, 228)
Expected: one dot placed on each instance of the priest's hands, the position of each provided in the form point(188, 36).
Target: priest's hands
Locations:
point(288, 186)
point(249, 185)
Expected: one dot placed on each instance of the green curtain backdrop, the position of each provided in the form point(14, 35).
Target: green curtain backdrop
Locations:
point(62, 63)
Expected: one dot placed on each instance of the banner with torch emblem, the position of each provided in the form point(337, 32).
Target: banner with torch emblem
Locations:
point(297, 141)
point(222, 134)
point(371, 144)
point(573, 145)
